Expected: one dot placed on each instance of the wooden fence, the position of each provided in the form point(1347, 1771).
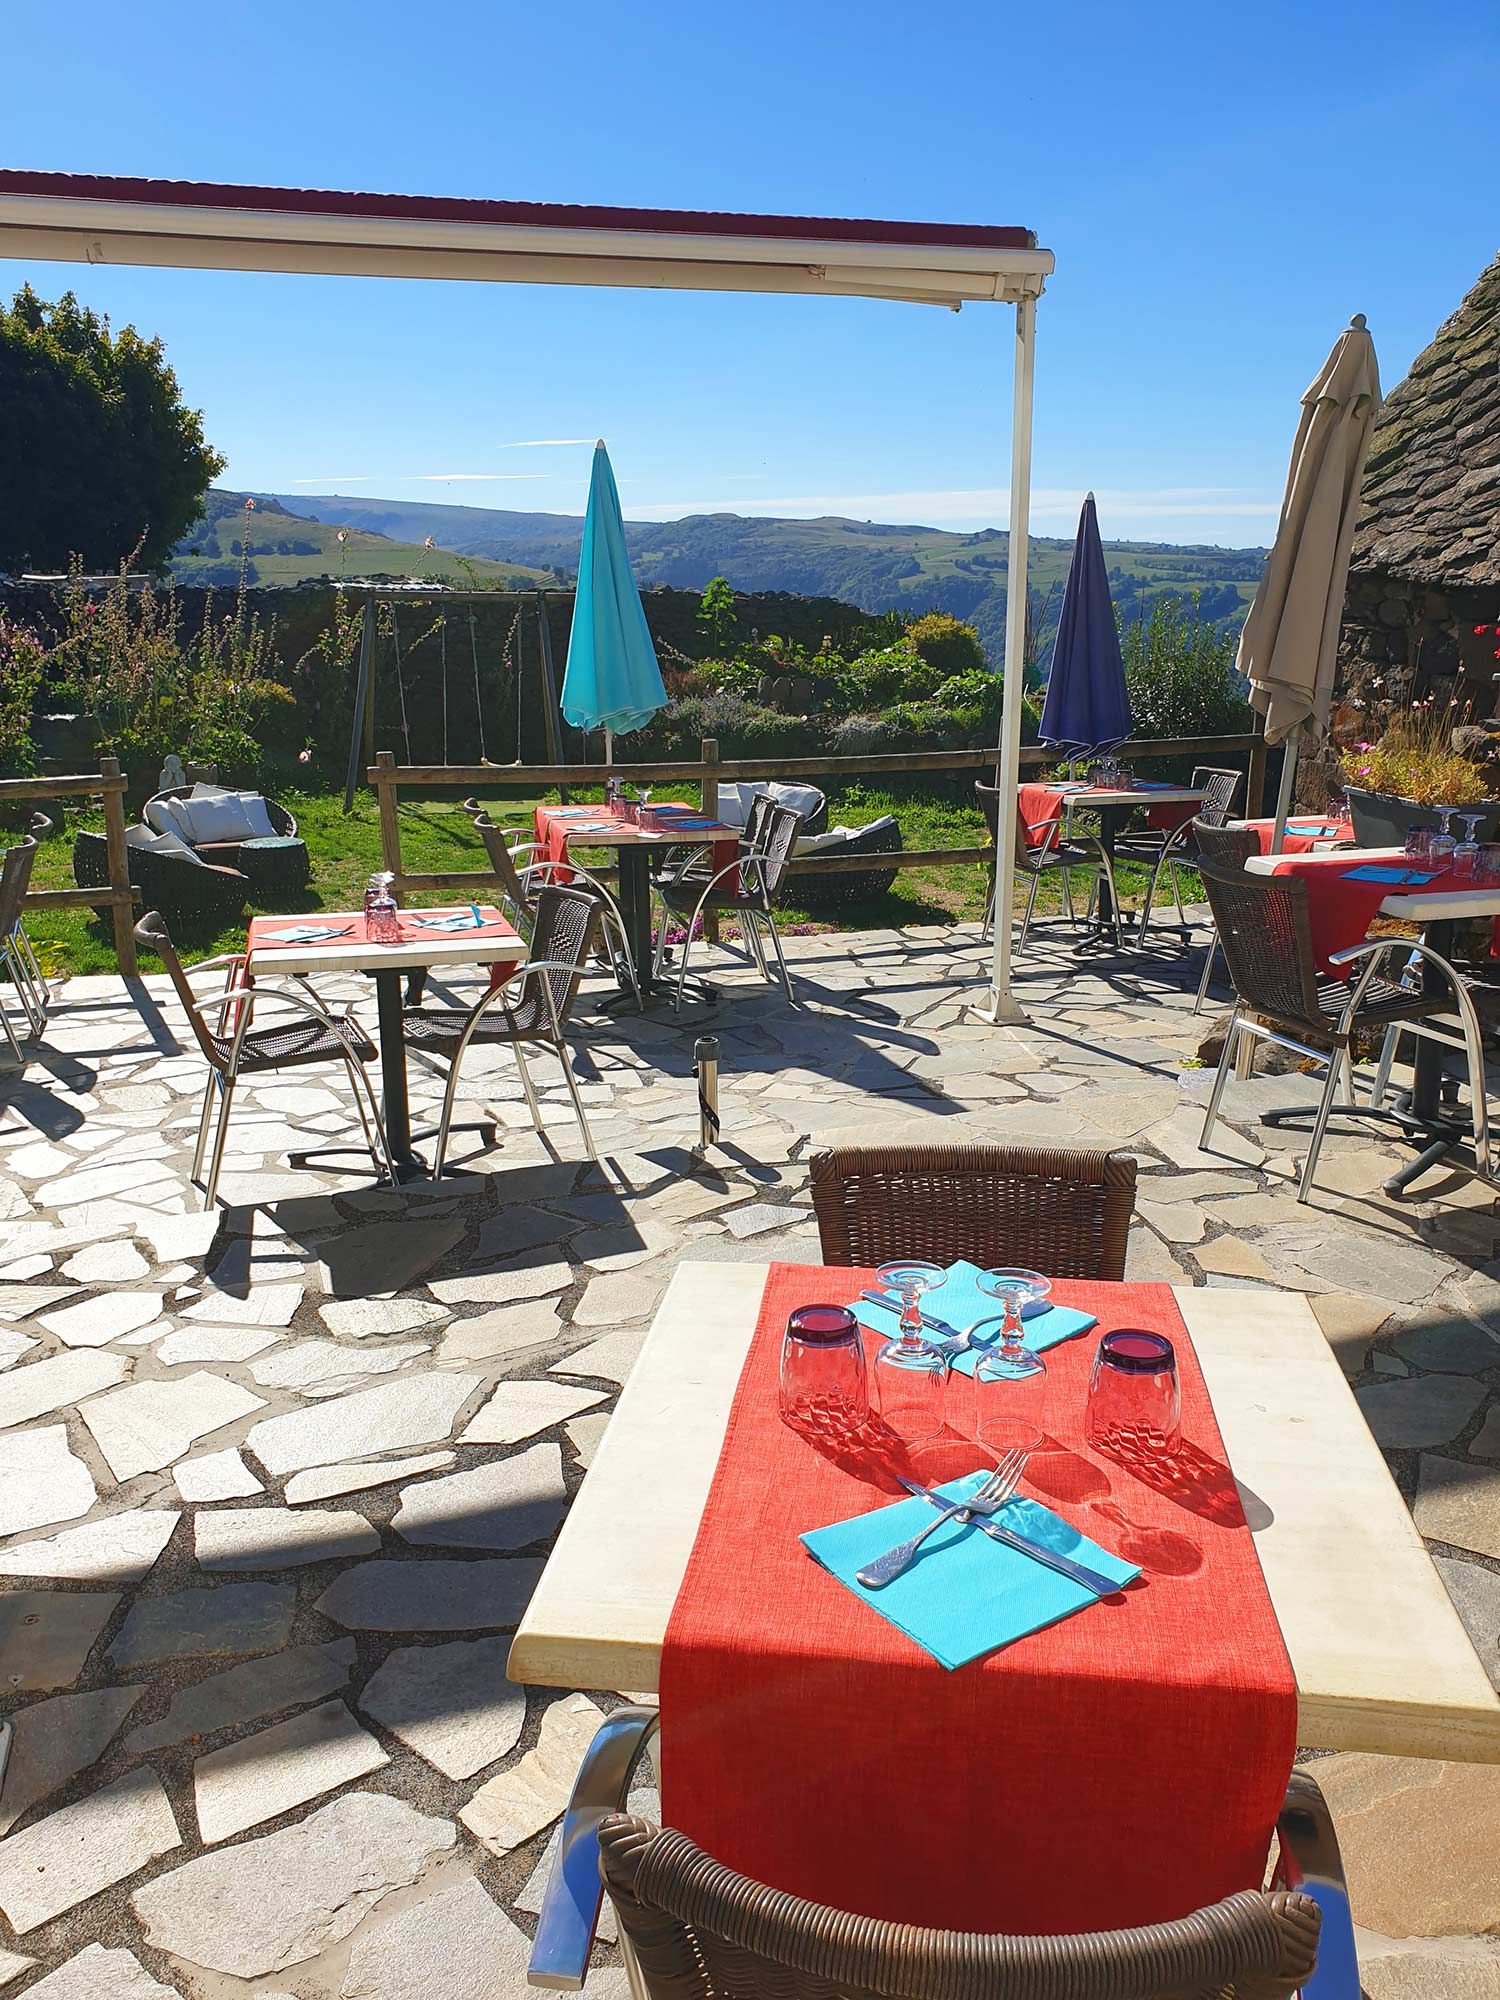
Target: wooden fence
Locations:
point(710, 771)
point(118, 897)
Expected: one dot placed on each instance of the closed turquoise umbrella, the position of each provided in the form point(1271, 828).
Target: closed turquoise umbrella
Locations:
point(612, 680)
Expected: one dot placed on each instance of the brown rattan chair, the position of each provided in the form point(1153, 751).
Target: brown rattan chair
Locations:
point(1226, 847)
point(234, 1046)
point(691, 1929)
point(1282, 997)
point(1043, 1207)
point(532, 1007)
point(1061, 849)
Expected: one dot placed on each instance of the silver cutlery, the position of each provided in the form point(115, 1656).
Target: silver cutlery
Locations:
point(1091, 1579)
point(940, 1327)
point(993, 1494)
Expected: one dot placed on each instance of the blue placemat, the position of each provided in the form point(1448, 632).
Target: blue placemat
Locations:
point(965, 1595)
point(1406, 878)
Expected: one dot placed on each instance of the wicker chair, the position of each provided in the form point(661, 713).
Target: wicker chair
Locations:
point(1044, 1207)
point(533, 1007)
point(1052, 854)
point(1282, 997)
point(234, 1046)
point(16, 955)
point(751, 895)
point(691, 1929)
point(1167, 850)
point(1225, 847)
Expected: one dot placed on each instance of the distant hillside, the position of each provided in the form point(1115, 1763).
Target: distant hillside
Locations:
point(286, 548)
point(868, 563)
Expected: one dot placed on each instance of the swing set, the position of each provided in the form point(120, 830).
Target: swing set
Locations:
point(373, 642)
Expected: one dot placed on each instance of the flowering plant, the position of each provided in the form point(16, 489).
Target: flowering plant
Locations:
point(1414, 759)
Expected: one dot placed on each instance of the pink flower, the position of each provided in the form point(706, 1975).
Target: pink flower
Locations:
point(1361, 746)
point(304, 756)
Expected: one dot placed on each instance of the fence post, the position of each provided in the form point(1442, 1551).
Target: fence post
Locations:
point(121, 900)
point(708, 805)
point(1255, 776)
point(390, 824)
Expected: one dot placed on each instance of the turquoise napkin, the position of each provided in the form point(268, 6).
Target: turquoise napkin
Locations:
point(965, 1595)
point(960, 1302)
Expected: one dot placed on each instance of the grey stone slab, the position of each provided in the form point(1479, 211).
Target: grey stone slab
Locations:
point(452, 1704)
point(454, 1945)
point(326, 1367)
point(515, 1229)
point(618, 1296)
point(1177, 1136)
point(57, 1382)
point(1362, 1261)
point(520, 1801)
point(608, 1360)
point(1446, 1343)
point(435, 1596)
point(151, 1424)
point(13, 1345)
point(174, 1236)
point(265, 1775)
point(378, 1258)
point(418, 1411)
point(217, 1475)
point(1476, 1598)
point(41, 1482)
point(103, 1318)
point(505, 1504)
point(120, 1550)
point(55, 1740)
point(586, 1433)
point(504, 1284)
point(103, 1972)
point(325, 1481)
point(360, 1319)
point(1420, 1411)
point(46, 1635)
point(106, 1264)
point(256, 1538)
point(760, 1217)
point(12, 1965)
point(520, 1410)
point(296, 1675)
point(215, 1343)
point(1487, 1444)
point(228, 1618)
point(75, 1853)
point(496, 1335)
point(271, 1903)
point(21, 1301)
point(1459, 1504)
point(273, 1305)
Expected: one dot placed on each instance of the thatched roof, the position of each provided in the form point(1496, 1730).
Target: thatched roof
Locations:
point(1432, 482)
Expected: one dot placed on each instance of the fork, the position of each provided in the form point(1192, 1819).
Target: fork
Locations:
point(989, 1499)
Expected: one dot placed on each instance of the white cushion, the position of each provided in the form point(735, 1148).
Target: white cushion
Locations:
point(255, 811)
point(159, 815)
point(804, 799)
point(813, 843)
point(161, 843)
point(735, 802)
point(217, 819)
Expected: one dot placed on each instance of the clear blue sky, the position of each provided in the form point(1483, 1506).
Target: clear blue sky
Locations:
point(1222, 188)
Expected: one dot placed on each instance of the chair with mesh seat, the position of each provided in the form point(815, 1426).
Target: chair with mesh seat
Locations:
point(691, 1929)
point(1045, 1208)
point(1165, 850)
point(532, 1007)
point(1226, 847)
point(1283, 998)
point(521, 881)
point(747, 888)
point(16, 954)
point(1059, 851)
point(235, 1045)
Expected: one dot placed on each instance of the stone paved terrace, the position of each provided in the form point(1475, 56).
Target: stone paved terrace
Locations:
point(275, 1482)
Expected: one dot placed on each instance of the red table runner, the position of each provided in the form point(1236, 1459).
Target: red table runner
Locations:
point(552, 834)
point(1340, 911)
point(1042, 804)
point(1122, 1767)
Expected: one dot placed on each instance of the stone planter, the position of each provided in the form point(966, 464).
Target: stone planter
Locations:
point(1381, 819)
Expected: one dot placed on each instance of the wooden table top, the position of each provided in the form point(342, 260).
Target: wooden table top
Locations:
point(1381, 1659)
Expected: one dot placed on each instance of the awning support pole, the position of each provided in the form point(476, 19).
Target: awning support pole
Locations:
point(1002, 1007)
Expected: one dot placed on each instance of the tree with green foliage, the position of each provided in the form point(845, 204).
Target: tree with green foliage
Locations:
point(1179, 669)
point(101, 459)
point(716, 613)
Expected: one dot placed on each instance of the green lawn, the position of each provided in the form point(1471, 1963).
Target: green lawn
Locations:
point(436, 834)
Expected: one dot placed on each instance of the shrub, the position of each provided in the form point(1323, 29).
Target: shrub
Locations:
point(1180, 673)
point(23, 660)
point(1415, 759)
point(947, 643)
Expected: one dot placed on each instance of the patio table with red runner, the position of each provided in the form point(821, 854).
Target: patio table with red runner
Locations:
point(668, 824)
point(1121, 1766)
point(1306, 833)
point(1167, 807)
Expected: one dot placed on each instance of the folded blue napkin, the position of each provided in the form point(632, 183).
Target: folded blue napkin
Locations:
point(1406, 878)
point(965, 1595)
point(960, 1302)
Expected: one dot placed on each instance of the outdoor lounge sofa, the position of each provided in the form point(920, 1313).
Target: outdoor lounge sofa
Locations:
point(234, 829)
point(169, 875)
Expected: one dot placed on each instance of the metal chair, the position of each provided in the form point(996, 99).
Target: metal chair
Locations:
point(521, 882)
point(1282, 997)
point(234, 1047)
point(1226, 847)
point(747, 888)
point(1170, 849)
point(1046, 1208)
point(16, 953)
point(691, 1929)
point(1054, 853)
point(532, 1007)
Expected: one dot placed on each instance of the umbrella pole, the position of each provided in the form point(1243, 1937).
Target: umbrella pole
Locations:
point(1284, 790)
point(1001, 1006)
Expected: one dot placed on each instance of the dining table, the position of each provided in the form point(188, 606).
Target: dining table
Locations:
point(339, 941)
point(1114, 805)
point(1380, 1658)
point(1436, 911)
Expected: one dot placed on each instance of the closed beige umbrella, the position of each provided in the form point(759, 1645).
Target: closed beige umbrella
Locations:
point(1290, 642)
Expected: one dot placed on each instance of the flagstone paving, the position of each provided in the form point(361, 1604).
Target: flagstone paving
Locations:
point(276, 1481)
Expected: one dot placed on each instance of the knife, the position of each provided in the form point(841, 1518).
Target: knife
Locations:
point(1101, 1586)
point(938, 1326)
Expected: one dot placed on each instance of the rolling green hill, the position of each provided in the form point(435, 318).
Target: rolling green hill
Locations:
point(877, 566)
point(287, 548)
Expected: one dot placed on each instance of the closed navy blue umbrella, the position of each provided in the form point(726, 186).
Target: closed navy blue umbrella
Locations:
point(1087, 706)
